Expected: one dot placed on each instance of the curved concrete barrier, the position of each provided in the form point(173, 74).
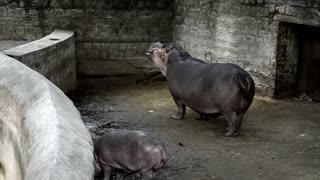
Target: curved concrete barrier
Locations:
point(53, 56)
point(42, 136)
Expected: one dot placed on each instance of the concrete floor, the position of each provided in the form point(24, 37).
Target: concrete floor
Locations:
point(280, 139)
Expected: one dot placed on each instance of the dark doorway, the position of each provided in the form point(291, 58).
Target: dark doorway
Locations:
point(298, 61)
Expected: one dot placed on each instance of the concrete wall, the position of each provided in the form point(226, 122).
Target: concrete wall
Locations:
point(241, 32)
point(42, 134)
point(109, 34)
point(52, 56)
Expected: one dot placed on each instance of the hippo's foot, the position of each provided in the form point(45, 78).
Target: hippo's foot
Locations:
point(231, 134)
point(177, 116)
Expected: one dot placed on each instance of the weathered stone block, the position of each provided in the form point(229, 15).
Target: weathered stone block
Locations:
point(245, 10)
point(29, 21)
point(50, 22)
point(290, 11)
point(298, 3)
point(260, 1)
point(65, 3)
point(14, 32)
point(32, 13)
point(255, 11)
point(9, 20)
point(74, 13)
point(39, 3)
point(282, 9)
point(93, 13)
point(54, 13)
point(272, 7)
point(32, 33)
point(54, 4)
point(264, 12)
point(3, 11)
point(249, 1)
point(79, 4)
point(18, 12)
point(64, 22)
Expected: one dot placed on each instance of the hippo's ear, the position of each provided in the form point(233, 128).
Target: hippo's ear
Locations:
point(170, 46)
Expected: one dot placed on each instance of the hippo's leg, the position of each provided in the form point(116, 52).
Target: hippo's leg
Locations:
point(237, 129)
point(233, 121)
point(240, 116)
point(147, 175)
point(181, 110)
point(106, 172)
point(119, 175)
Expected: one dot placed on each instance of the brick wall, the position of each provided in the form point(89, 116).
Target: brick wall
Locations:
point(240, 32)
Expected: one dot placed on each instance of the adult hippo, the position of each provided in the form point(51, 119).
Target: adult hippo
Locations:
point(206, 88)
point(129, 152)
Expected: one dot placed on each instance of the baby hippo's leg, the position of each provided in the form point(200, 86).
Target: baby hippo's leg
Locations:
point(119, 175)
point(149, 175)
point(106, 172)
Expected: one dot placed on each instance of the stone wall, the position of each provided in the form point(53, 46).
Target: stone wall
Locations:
point(52, 56)
point(111, 36)
point(42, 134)
point(241, 32)
point(106, 31)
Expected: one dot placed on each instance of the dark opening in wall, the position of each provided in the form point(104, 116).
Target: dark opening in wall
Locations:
point(298, 61)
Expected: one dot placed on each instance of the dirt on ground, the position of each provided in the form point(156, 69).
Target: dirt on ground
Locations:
point(279, 139)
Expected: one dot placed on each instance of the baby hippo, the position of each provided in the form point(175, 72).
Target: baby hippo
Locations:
point(125, 152)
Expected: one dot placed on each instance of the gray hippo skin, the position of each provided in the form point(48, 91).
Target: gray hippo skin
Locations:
point(208, 89)
point(129, 152)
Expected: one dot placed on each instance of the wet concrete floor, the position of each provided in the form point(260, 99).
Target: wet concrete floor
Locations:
point(280, 139)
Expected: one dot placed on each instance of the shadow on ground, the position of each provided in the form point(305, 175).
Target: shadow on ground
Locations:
point(278, 140)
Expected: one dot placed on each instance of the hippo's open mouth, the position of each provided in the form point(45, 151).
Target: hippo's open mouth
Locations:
point(148, 53)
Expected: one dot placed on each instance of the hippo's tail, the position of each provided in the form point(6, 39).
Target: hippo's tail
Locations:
point(247, 85)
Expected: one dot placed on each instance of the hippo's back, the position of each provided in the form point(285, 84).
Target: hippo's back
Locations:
point(130, 150)
point(211, 88)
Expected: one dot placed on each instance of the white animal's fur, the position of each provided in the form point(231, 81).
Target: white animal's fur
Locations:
point(59, 145)
point(12, 138)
